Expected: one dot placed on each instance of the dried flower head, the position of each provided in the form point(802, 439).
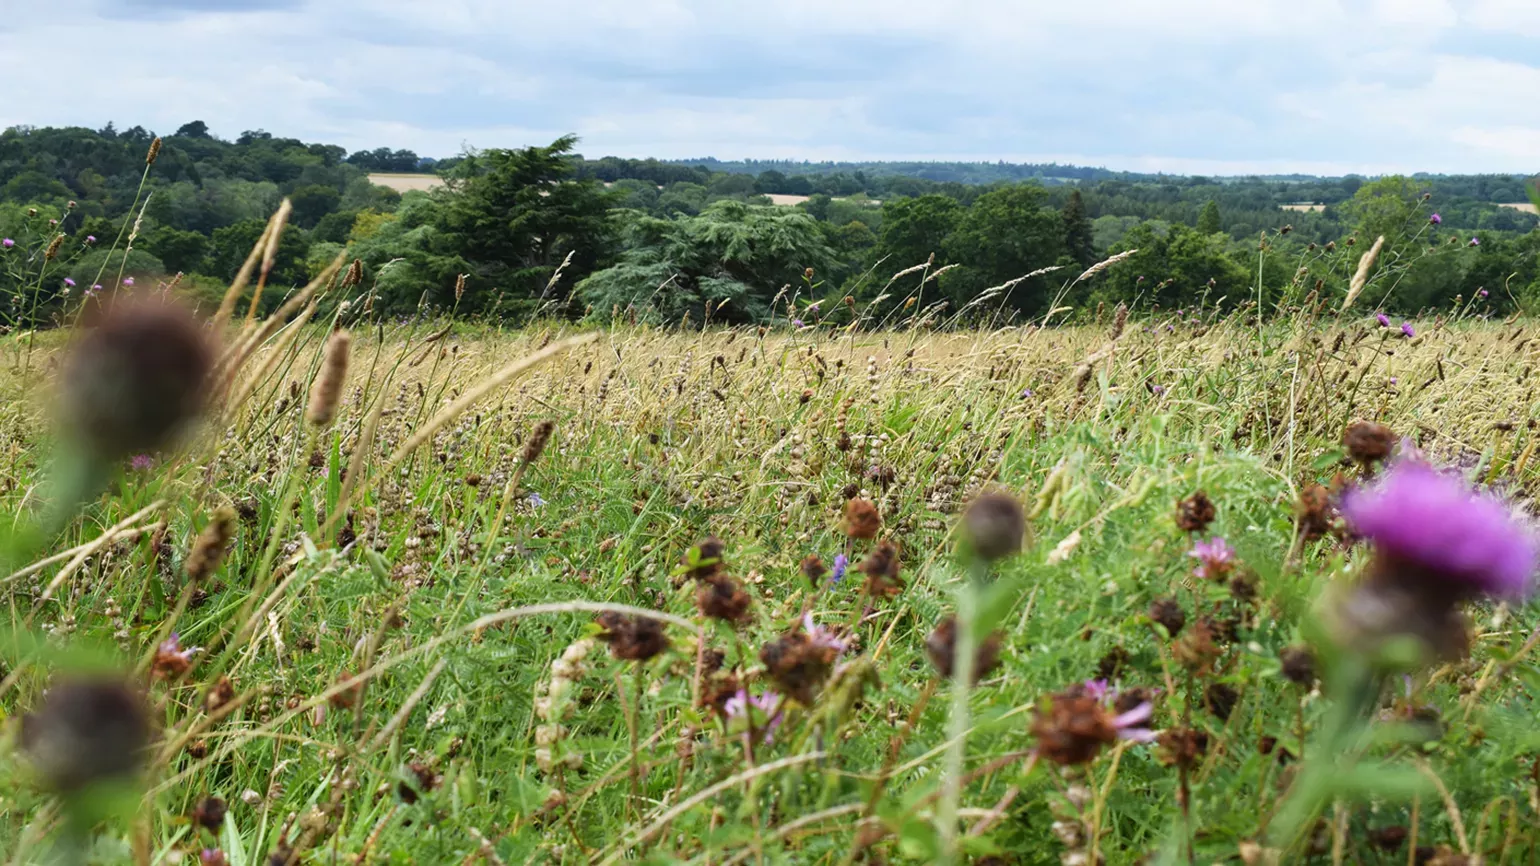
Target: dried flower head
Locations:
point(1181, 747)
point(1298, 665)
point(1220, 699)
point(995, 526)
point(813, 570)
point(721, 597)
point(881, 570)
point(1076, 724)
point(135, 378)
point(632, 638)
point(1367, 442)
point(326, 392)
point(704, 559)
point(219, 694)
point(862, 519)
point(171, 661)
point(354, 274)
point(1314, 512)
point(1169, 614)
point(1195, 513)
point(210, 814)
point(800, 660)
point(1196, 649)
point(208, 551)
point(86, 730)
point(941, 646)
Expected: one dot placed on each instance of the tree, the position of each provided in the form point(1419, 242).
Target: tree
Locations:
point(181, 252)
point(1173, 268)
point(913, 229)
point(1006, 234)
point(513, 216)
point(1208, 218)
point(1078, 235)
point(313, 202)
point(195, 129)
point(733, 256)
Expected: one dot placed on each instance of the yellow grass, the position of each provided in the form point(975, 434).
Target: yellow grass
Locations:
point(406, 182)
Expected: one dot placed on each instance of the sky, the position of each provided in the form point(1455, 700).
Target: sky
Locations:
point(1184, 86)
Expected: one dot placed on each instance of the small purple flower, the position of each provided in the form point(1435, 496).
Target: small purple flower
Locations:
point(1130, 725)
point(796, 323)
point(813, 307)
point(1098, 689)
point(1433, 523)
point(53, 222)
point(1141, 279)
point(1407, 330)
point(1026, 393)
point(1475, 242)
point(129, 282)
point(820, 636)
point(841, 562)
point(741, 709)
point(1215, 558)
point(91, 292)
point(69, 283)
point(1157, 390)
point(1481, 293)
point(535, 501)
point(7, 243)
point(1435, 219)
point(1383, 319)
point(90, 239)
point(141, 462)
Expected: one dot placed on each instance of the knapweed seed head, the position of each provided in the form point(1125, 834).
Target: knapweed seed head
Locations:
point(1297, 664)
point(1367, 442)
point(721, 597)
point(1169, 614)
point(881, 570)
point(86, 730)
point(171, 661)
point(210, 814)
point(861, 519)
point(995, 526)
point(134, 378)
point(1074, 726)
point(632, 638)
point(941, 646)
point(813, 571)
point(1195, 513)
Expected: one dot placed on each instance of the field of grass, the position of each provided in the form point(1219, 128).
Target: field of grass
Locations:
point(400, 661)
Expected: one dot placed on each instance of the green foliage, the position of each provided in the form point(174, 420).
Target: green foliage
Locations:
point(1174, 268)
point(1006, 234)
point(1079, 236)
point(914, 229)
point(1208, 218)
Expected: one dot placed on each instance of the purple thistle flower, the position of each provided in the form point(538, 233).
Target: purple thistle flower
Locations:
point(1434, 524)
point(129, 282)
point(1215, 558)
point(1475, 242)
point(796, 323)
point(740, 706)
point(7, 243)
point(1407, 330)
point(1383, 319)
point(841, 563)
point(1481, 293)
point(90, 239)
point(69, 283)
point(1435, 219)
point(141, 462)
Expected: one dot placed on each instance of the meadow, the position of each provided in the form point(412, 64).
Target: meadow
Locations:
point(440, 593)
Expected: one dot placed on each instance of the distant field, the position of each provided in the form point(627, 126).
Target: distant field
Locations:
point(1305, 208)
point(1524, 206)
point(406, 182)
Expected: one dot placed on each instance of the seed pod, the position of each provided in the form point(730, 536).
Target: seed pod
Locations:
point(326, 393)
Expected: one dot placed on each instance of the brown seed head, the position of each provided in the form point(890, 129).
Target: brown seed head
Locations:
point(1368, 442)
point(354, 275)
point(135, 378)
point(1314, 512)
point(798, 664)
point(1195, 513)
point(210, 814)
point(721, 597)
point(86, 730)
point(941, 646)
point(1168, 612)
point(995, 526)
point(1220, 699)
point(1181, 747)
point(538, 439)
point(1298, 665)
point(209, 548)
point(632, 638)
point(326, 393)
point(705, 559)
point(1119, 321)
point(881, 570)
point(149, 158)
point(1073, 728)
point(1196, 649)
point(221, 693)
point(862, 519)
point(52, 252)
point(1388, 838)
point(814, 570)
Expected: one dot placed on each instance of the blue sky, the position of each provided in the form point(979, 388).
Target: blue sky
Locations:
point(1193, 86)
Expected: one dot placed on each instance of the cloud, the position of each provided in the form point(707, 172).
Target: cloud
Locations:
point(1209, 86)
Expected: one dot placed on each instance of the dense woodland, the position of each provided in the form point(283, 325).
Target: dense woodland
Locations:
point(690, 241)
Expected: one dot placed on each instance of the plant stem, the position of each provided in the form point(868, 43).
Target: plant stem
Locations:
point(959, 723)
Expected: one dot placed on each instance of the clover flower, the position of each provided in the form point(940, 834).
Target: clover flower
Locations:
point(1215, 558)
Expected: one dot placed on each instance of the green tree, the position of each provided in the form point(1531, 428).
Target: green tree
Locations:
point(313, 202)
point(1174, 267)
point(513, 216)
point(1006, 234)
point(915, 228)
point(1079, 238)
point(180, 251)
point(1208, 218)
point(734, 256)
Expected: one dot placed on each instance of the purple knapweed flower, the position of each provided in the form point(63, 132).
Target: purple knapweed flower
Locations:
point(796, 323)
point(740, 706)
point(1383, 319)
point(1435, 219)
point(1215, 558)
point(1026, 393)
point(1130, 725)
point(69, 283)
point(1158, 390)
point(1407, 330)
point(141, 462)
point(1475, 242)
point(129, 282)
point(90, 239)
point(1098, 689)
point(841, 563)
point(7, 243)
point(535, 501)
point(820, 636)
point(1433, 524)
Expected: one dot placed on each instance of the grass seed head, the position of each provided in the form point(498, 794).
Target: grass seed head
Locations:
point(538, 439)
point(208, 551)
point(326, 393)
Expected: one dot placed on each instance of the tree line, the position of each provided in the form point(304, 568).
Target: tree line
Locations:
point(544, 229)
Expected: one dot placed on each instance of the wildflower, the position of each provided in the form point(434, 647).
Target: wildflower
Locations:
point(796, 323)
point(1169, 614)
point(1215, 558)
point(1475, 242)
point(212, 857)
point(1407, 330)
point(91, 292)
point(1075, 726)
point(632, 638)
point(171, 662)
point(535, 501)
point(1158, 390)
point(1435, 219)
point(135, 378)
point(86, 731)
point(1436, 543)
point(128, 282)
point(210, 814)
point(1298, 665)
point(862, 519)
point(1368, 442)
point(1195, 513)
point(841, 563)
point(69, 283)
point(141, 462)
point(721, 597)
point(1481, 293)
point(881, 570)
point(1026, 393)
point(1383, 319)
point(941, 646)
point(90, 239)
point(7, 243)
point(799, 661)
point(995, 526)
point(762, 712)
